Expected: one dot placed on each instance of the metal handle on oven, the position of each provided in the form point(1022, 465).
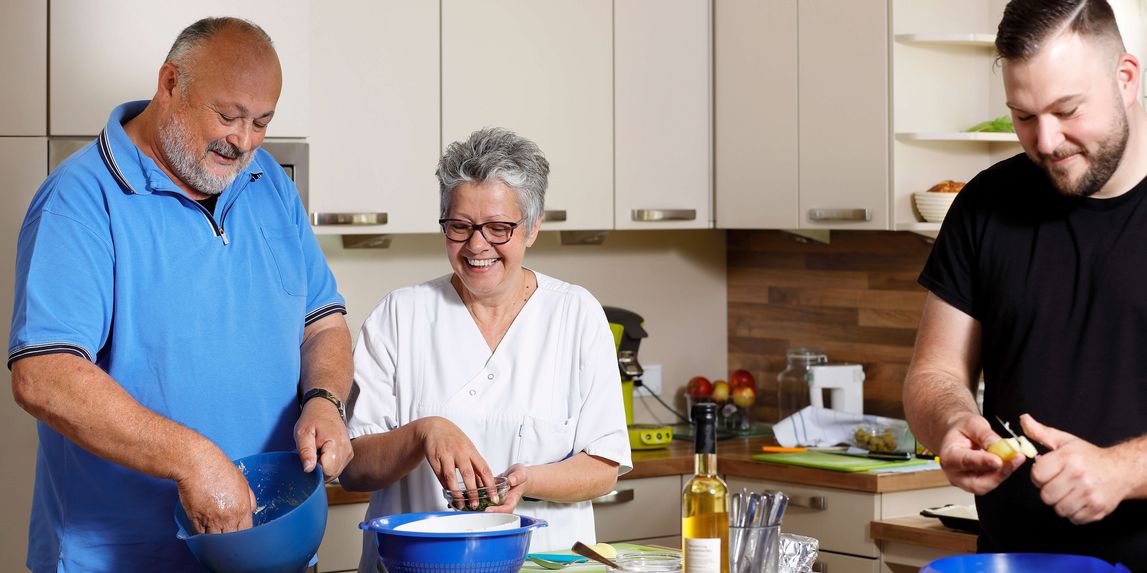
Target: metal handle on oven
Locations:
point(839, 215)
point(654, 215)
point(554, 216)
point(348, 218)
point(815, 502)
point(615, 497)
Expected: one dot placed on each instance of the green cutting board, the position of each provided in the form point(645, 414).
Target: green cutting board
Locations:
point(592, 566)
point(834, 462)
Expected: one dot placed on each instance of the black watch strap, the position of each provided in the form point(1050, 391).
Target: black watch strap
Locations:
point(326, 395)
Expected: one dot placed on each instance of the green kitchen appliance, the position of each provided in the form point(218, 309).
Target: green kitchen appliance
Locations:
point(628, 329)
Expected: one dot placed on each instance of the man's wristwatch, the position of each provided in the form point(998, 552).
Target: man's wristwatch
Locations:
point(326, 395)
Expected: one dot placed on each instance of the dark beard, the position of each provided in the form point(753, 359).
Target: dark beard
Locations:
point(1106, 160)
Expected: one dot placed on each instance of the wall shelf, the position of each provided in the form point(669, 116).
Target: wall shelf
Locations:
point(969, 40)
point(957, 136)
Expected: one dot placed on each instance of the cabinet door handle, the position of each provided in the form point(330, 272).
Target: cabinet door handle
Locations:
point(816, 502)
point(820, 567)
point(556, 216)
point(653, 215)
point(348, 218)
point(615, 497)
point(839, 215)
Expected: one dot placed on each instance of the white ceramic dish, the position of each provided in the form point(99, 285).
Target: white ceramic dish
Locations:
point(463, 523)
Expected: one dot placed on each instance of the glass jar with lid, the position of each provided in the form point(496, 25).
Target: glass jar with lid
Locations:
point(792, 383)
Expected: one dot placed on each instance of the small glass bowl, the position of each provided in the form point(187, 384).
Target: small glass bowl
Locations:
point(649, 562)
point(485, 499)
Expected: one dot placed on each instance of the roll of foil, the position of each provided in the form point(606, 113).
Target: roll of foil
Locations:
point(798, 553)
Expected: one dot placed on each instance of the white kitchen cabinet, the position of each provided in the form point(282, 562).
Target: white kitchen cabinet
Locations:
point(545, 71)
point(755, 111)
point(24, 163)
point(662, 114)
point(105, 53)
point(375, 132)
point(644, 510)
point(843, 115)
point(342, 539)
point(840, 519)
point(24, 92)
point(801, 98)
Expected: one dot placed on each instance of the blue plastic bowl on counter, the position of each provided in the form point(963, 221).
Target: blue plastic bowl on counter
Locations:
point(1021, 563)
point(499, 551)
point(288, 526)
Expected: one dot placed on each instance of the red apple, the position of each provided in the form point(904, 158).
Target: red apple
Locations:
point(744, 397)
point(720, 391)
point(742, 379)
point(699, 387)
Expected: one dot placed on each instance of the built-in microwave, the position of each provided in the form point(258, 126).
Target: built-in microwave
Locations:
point(290, 153)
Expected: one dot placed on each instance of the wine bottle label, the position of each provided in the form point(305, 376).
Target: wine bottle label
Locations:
point(702, 555)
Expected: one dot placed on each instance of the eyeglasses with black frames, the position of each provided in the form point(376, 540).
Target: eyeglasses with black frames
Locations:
point(495, 232)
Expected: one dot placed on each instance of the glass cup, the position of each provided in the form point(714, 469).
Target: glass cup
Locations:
point(461, 498)
point(648, 562)
point(754, 549)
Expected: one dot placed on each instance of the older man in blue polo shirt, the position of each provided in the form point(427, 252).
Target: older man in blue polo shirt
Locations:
point(173, 312)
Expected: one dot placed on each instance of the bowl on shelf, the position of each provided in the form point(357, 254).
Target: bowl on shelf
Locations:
point(933, 206)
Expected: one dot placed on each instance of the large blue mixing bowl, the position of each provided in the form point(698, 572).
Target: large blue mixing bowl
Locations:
point(500, 551)
point(1021, 563)
point(288, 525)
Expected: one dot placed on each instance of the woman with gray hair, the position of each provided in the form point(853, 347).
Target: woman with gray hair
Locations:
point(492, 371)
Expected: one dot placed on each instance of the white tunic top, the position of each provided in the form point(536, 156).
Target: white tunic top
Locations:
point(551, 389)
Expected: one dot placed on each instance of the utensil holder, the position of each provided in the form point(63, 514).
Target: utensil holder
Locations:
point(754, 549)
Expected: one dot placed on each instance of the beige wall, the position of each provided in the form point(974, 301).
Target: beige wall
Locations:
point(674, 279)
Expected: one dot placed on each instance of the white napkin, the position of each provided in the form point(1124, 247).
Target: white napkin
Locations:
point(822, 427)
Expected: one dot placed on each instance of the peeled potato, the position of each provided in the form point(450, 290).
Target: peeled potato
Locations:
point(1027, 448)
point(605, 550)
point(1006, 449)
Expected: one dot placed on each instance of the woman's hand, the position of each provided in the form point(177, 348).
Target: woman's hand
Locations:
point(447, 450)
point(517, 477)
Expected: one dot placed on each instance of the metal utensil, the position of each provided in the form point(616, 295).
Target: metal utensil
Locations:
point(1007, 428)
point(584, 550)
point(555, 565)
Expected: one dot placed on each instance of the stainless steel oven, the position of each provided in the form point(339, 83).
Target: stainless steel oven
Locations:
point(290, 153)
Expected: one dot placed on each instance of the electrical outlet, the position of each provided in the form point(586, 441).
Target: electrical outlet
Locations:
point(651, 379)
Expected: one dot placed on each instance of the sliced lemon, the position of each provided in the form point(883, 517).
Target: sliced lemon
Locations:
point(605, 550)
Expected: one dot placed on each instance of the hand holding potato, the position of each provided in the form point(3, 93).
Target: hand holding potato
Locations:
point(1082, 481)
point(966, 462)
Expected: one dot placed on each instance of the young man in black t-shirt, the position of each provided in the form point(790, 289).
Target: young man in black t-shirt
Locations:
point(1039, 280)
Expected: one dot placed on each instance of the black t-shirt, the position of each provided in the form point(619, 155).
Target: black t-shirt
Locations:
point(1059, 287)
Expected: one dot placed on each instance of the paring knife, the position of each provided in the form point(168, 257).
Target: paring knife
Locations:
point(1007, 428)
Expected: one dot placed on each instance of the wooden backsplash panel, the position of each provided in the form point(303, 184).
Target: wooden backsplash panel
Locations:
point(856, 298)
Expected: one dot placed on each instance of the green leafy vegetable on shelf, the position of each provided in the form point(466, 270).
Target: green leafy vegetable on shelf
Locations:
point(1002, 124)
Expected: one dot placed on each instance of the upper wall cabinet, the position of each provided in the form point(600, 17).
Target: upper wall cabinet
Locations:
point(545, 71)
point(375, 132)
point(837, 119)
point(24, 91)
point(662, 104)
point(108, 52)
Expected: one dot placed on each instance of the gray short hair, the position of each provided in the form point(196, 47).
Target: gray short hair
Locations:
point(496, 153)
point(182, 51)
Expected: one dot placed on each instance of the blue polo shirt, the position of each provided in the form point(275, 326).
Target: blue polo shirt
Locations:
point(198, 315)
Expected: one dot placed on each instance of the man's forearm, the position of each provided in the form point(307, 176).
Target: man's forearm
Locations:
point(932, 402)
point(80, 401)
point(326, 357)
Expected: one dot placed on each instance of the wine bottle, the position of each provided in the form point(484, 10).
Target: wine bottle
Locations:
point(705, 501)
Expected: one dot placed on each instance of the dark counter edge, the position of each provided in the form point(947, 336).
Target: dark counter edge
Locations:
point(734, 460)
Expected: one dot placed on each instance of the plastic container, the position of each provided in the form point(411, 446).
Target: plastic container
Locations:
point(792, 383)
point(289, 521)
point(501, 551)
point(487, 496)
point(648, 562)
point(1021, 563)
